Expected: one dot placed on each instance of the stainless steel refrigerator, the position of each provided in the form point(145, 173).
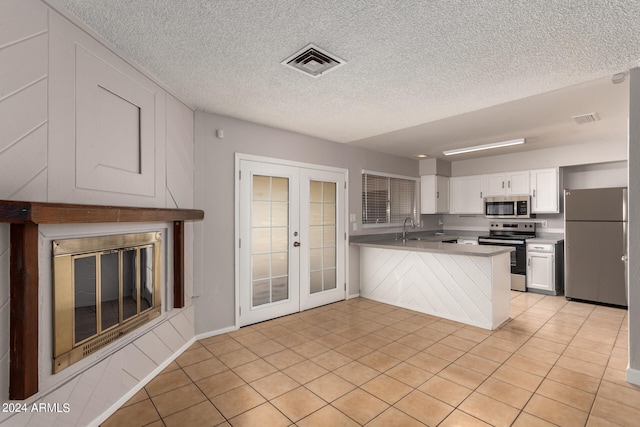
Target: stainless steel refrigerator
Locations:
point(596, 245)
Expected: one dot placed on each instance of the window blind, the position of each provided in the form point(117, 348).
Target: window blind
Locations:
point(389, 200)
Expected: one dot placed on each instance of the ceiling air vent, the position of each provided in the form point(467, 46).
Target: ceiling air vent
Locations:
point(586, 118)
point(313, 61)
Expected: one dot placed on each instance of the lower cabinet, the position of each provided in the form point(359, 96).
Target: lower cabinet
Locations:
point(545, 268)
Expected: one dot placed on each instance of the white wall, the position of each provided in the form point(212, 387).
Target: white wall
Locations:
point(570, 155)
point(39, 141)
point(633, 372)
point(215, 182)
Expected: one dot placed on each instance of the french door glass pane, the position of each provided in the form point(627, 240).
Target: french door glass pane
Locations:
point(270, 240)
point(322, 233)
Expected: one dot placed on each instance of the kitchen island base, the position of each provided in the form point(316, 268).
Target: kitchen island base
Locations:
point(470, 289)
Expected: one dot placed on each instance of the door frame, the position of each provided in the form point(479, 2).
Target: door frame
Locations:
point(280, 162)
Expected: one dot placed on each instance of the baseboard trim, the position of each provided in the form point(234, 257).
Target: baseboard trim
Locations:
point(633, 376)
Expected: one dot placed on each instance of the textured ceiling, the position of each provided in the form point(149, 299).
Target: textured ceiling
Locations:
point(411, 65)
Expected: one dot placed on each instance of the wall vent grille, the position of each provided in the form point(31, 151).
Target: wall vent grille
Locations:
point(586, 118)
point(313, 61)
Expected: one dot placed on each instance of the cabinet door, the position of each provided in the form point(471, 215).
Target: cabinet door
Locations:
point(540, 271)
point(442, 194)
point(434, 194)
point(466, 194)
point(517, 183)
point(545, 191)
point(495, 185)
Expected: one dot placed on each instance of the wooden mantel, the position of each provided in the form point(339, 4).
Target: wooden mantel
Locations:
point(24, 218)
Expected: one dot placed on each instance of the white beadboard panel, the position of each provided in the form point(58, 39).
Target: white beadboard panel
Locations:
point(21, 114)
point(21, 19)
point(34, 190)
point(468, 289)
point(168, 334)
point(4, 320)
point(22, 163)
point(4, 371)
point(68, 149)
point(81, 395)
point(109, 386)
point(153, 347)
point(22, 419)
point(180, 152)
point(4, 265)
point(31, 54)
point(183, 325)
point(136, 363)
point(115, 132)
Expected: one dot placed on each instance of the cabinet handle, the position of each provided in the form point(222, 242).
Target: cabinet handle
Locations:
point(509, 184)
point(534, 192)
point(502, 184)
point(437, 194)
point(529, 262)
point(481, 194)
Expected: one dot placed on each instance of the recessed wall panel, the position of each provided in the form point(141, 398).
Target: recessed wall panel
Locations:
point(115, 135)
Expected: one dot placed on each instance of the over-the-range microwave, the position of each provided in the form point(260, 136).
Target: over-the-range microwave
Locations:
point(508, 207)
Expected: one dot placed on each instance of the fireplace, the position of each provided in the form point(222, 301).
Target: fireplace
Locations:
point(103, 288)
point(24, 219)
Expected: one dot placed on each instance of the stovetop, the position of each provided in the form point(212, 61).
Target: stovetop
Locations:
point(511, 230)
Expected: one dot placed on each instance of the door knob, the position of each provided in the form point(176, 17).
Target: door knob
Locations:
point(296, 244)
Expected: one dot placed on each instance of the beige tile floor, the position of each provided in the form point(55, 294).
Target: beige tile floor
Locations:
point(359, 362)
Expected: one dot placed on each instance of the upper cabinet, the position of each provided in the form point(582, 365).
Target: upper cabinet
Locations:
point(545, 191)
point(434, 194)
point(505, 184)
point(466, 194)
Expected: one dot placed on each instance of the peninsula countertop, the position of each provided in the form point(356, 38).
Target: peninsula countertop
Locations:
point(429, 245)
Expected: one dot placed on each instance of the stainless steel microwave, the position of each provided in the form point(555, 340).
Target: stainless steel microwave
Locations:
point(508, 207)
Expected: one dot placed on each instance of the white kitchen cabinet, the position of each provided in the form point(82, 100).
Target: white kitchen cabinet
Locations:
point(544, 267)
point(466, 194)
point(540, 271)
point(545, 191)
point(505, 184)
point(434, 194)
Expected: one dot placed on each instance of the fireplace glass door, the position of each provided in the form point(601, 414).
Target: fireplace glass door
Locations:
point(103, 288)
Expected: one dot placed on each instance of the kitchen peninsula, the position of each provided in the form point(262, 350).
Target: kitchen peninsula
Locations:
point(468, 284)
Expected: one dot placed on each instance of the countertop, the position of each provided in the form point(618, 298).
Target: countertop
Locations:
point(552, 240)
point(434, 244)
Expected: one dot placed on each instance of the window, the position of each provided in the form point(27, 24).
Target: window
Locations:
point(389, 199)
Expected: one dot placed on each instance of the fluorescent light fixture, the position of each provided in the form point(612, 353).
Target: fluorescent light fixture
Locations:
point(484, 147)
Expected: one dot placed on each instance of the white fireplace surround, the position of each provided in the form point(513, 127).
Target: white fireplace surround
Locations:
point(49, 233)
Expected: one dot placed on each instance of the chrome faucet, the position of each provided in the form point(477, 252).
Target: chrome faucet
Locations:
point(404, 227)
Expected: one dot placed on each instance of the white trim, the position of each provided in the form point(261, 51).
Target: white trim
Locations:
point(633, 376)
point(118, 404)
point(391, 175)
point(216, 332)
point(241, 156)
point(352, 296)
point(283, 162)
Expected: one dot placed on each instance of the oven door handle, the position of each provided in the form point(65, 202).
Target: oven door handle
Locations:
point(512, 242)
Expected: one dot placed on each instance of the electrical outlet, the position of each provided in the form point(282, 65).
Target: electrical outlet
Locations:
point(543, 223)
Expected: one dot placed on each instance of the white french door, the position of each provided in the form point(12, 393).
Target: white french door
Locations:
point(291, 239)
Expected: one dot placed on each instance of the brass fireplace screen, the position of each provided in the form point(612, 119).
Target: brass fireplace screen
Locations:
point(104, 287)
